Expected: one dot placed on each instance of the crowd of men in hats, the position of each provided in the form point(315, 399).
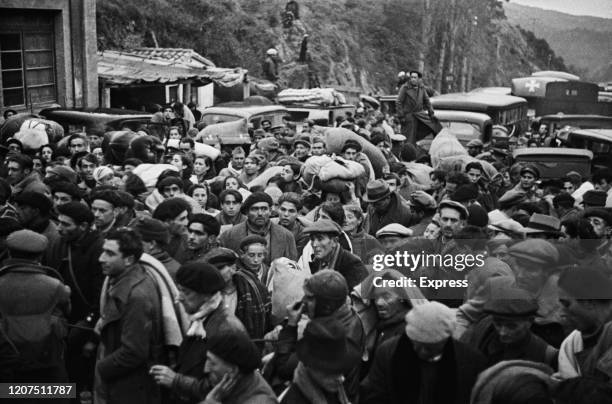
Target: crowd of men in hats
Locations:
point(144, 281)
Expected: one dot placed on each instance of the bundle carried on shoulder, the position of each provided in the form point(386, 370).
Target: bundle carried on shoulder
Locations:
point(286, 281)
point(445, 144)
point(318, 96)
point(327, 168)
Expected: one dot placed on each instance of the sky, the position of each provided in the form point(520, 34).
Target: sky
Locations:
point(597, 8)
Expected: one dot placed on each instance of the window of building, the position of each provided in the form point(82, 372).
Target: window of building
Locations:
point(28, 68)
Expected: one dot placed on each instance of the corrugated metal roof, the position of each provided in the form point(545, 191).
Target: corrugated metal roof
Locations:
point(123, 68)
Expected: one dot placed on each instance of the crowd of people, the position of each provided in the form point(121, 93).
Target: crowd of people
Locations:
point(154, 277)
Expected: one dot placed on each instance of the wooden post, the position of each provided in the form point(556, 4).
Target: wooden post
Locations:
point(106, 97)
point(187, 93)
point(246, 90)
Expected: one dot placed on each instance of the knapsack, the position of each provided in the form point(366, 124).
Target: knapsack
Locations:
point(37, 338)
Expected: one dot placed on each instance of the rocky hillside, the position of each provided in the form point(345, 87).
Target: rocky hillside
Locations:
point(582, 41)
point(354, 43)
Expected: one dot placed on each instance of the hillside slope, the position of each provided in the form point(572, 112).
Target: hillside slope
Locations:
point(582, 41)
point(355, 43)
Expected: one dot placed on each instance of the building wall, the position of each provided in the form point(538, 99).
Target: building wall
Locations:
point(74, 38)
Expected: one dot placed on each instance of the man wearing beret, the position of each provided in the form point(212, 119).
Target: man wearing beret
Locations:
point(75, 256)
point(34, 212)
point(505, 333)
point(586, 297)
point(104, 206)
point(33, 305)
point(155, 238)
point(200, 285)
point(425, 364)
point(258, 207)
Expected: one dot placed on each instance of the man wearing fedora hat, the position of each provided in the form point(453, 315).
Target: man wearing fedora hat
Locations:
point(385, 207)
point(324, 356)
point(543, 226)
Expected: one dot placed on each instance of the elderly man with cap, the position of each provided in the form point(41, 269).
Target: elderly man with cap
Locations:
point(243, 294)
point(155, 238)
point(413, 367)
point(33, 305)
point(325, 298)
point(384, 207)
point(325, 355)
point(34, 213)
point(258, 207)
point(393, 235)
point(75, 256)
point(329, 254)
point(534, 263)
point(200, 288)
point(586, 297)
point(505, 332)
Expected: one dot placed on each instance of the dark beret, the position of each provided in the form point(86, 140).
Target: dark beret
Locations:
point(209, 223)
point(168, 181)
point(256, 197)
point(126, 199)
point(35, 200)
point(107, 195)
point(76, 211)
point(221, 257)
point(200, 277)
point(602, 213)
point(252, 239)
point(594, 198)
point(586, 283)
point(477, 216)
point(151, 229)
point(511, 302)
point(67, 188)
point(236, 348)
point(465, 193)
point(352, 144)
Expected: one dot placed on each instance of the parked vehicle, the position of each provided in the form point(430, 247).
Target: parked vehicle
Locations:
point(321, 115)
point(253, 114)
point(465, 125)
point(101, 120)
point(554, 163)
point(558, 121)
point(598, 141)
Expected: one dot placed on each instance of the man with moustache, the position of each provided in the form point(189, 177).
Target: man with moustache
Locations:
point(257, 207)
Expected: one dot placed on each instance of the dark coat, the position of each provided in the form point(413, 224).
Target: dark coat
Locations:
point(396, 372)
point(131, 341)
point(397, 212)
point(348, 264)
point(280, 244)
point(295, 396)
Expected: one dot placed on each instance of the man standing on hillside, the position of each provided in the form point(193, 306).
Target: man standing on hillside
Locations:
point(411, 100)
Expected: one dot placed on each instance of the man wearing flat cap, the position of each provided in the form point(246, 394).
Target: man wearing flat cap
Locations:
point(385, 207)
point(75, 256)
point(34, 304)
point(200, 288)
point(329, 254)
point(393, 235)
point(258, 207)
point(505, 332)
point(525, 190)
point(302, 148)
point(34, 213)
point(425, 364)
point(586, 297)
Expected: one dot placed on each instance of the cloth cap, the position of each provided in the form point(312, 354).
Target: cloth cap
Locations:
point(64, 172)
point(536, 250)
point(586, 283)
point(268, 144)
point(394, 230)
point(303, 141)
point(376, 190)
point(323, 226)
point(352, 144)
point(396, 137)
point(327, 284)
point(602, 213)
point(325, 346)
point(256, 197)
point(77, 211)
point(101, 172)
point(377, 137)
point(252, 239)
point(221, 257)
point(465, 193)
point(475, 143)
point(35, 200)
point(594, 198)
point(200, 277)
point(430, 323)
point(456, 206)
point(511, 302)
point(574, 176)
point(151, 229)
point(68, 188)
point(539, 223)
point(27, 241)
point(477, 216)
point(508, 226)
point(236, 348)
